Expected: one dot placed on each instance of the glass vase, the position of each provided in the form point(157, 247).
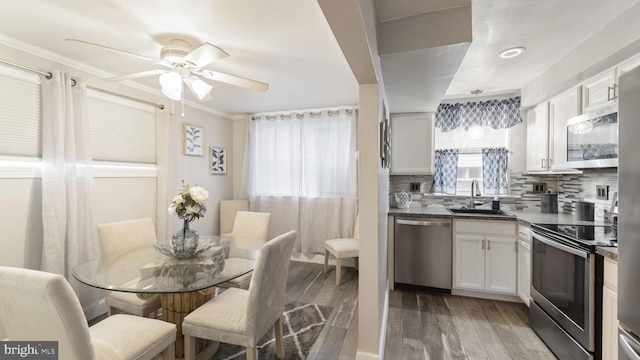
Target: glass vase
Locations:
point(185, 242)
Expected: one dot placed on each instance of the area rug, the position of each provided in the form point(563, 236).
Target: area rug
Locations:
point(301, 326)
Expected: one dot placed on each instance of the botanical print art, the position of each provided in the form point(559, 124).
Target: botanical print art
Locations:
point(217, 160)
point(193, 140)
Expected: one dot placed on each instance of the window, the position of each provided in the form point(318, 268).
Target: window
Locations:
point(307, 157)
point(470, 153)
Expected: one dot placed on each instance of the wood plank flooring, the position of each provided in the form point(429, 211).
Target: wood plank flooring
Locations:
point(421, 325)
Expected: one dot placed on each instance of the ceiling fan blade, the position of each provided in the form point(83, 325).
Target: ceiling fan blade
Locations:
point(234, 80)
point(136, 75)
point(119, 51)
point(199, 88)
point(205, 54)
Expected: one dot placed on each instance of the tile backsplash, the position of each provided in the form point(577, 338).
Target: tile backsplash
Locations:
point(570, 188)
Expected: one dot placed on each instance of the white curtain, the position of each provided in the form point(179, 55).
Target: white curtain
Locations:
point(69, 231)
point(301, 167)
point(165, 151)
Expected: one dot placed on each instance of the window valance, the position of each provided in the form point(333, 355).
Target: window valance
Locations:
point(497, 114)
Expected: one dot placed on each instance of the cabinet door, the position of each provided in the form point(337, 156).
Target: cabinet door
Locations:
point(609, 324)
point(501, 264)
point(561, 108)
point(599, 91)
point(412, 144)
point(469, 262)
point(524, 271)
point(538, 137)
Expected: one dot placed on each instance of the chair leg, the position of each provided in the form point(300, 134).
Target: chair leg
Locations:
point(338, 271)
point(279, 339)
point(189, 347)
point(111, 310)
point(357, 261)
point(153, 314)
point(170, 352)
point(326, 260)
point(252, 354)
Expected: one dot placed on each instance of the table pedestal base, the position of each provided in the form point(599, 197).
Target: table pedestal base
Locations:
point(175, 307)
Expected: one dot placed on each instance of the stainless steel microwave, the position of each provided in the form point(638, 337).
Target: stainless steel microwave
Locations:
point(592, 139)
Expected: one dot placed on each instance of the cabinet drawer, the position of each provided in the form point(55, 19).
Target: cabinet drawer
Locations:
point(611, 274)
point(485, 227)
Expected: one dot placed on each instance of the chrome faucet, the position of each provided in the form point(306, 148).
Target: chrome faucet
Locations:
point(475, 191)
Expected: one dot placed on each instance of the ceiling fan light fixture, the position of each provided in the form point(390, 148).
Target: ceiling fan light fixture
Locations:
point(198, 87)
point(511, 52)
point(173, 94)
point(171, 81)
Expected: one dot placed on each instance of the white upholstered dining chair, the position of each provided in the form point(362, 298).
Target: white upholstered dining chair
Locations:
point(343, 248)
point(242, 317)
point(117, 239)
point(253, 226)
point(228, 210)
point(40, 306)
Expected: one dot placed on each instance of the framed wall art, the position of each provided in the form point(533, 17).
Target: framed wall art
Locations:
point(193, 140)
point(217, 160)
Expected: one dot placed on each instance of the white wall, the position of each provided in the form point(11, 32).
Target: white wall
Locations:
point(195, 169)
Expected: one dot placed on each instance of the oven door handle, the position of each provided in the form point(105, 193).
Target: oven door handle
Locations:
point(565, 248)
point(627, 348)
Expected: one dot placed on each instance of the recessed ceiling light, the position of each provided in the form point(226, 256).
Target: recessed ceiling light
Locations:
point(512, 52)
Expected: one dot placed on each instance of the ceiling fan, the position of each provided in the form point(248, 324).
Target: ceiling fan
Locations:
point(185, 65)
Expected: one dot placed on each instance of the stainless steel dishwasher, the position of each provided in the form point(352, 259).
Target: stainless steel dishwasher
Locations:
point(422, 252)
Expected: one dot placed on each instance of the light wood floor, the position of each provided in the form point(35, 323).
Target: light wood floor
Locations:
point(421, 325)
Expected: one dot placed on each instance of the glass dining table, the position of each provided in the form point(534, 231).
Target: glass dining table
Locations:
point(183, 284)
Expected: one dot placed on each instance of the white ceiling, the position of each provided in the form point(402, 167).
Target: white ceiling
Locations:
point(288, 44)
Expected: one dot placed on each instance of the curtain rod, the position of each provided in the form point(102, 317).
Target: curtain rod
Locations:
point(48, 75)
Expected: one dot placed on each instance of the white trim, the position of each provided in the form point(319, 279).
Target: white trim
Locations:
point(20, 74)
point(486, 295)
point(31, 168)
point(385, 319)
point(104, 169)
point(20, 167)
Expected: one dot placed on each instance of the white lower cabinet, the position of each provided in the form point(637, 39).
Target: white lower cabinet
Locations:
point(610, 311)
point(485, 256)
point(524, 263)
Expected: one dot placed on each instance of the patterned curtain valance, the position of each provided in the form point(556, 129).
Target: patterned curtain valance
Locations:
point(497, 114)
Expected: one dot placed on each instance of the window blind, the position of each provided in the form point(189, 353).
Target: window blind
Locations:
point(20, 113)
point(121, 130)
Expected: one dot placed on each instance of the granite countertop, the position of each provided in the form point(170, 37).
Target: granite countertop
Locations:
point(608, 252)
point(527, 217)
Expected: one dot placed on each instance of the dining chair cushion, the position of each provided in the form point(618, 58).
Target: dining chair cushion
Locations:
point(40, 306)
point(228, 210)
point(240, 316)
point(343, 248)
point(116, 240)
point(143, 339)
point(132, 304)
point(230, 312)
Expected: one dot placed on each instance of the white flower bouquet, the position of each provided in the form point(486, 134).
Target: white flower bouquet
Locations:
point(189, 203)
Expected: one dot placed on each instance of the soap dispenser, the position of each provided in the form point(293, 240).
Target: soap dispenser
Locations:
point(495, 203)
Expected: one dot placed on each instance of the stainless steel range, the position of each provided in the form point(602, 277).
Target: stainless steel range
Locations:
point(566, 288)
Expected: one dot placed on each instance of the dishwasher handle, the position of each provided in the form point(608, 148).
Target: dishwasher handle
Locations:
point(423, 222)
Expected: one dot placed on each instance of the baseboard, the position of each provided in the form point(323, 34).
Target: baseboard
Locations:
point(385, 319)
point(483, 295)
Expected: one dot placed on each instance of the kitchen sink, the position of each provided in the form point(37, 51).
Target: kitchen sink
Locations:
point(489, 212)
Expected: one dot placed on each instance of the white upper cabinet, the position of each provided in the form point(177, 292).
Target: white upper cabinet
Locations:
point(602, 89)
point(599, 91)
point(412, 144)
point(628, 65)
point(538, 138)
point(561, 108)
